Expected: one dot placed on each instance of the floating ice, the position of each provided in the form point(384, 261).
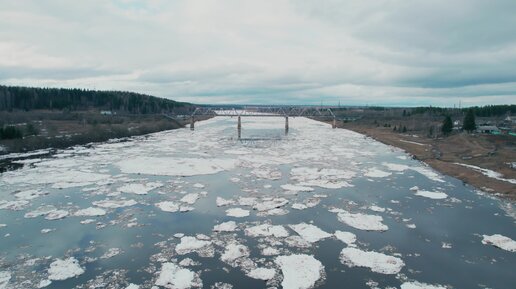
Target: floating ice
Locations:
point(310, 232)
point(64, 269)
point(5, 276)
point(17, 205)
point(112, 252)
point(132, 286)
point(299, 271)
point(262, 273)
point(237, 212)
point(418, 285)
point(396, 167)
point(29, 194)
point(190, 198)
point(221, 202)
point(266, 173)
point(225, 227)
point(500, 241)
point(60, 179)
point(295, 188)
point(270, 251)
point(174, 277)
point(377, 209)
point(198, 185)
point(56, 215)
point(140, 189)
point(324, 178)
point(270, 204)
point(90, 212)
point(190, 244)
point(376, 173)
point(168, 206)
point(432, 195)
point(234, 251)
point(113, 204)
point(267, 230)
point(429, 173)
point(362, 221)
point(377, 262)
point(167, 166)
point(346, 237)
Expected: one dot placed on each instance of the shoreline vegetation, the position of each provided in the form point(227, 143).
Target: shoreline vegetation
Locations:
point(485, 161)
point(53, 118)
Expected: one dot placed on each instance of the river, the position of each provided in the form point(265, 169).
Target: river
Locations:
point(316, 208)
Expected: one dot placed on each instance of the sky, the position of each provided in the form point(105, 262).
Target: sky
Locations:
point(378, 52)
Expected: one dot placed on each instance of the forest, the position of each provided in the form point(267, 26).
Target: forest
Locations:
point(29, 98)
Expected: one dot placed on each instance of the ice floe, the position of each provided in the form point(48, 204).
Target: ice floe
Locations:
point(5, 276)
point(262, 273)
point(362, 221)
point(346, 237)
point(168, 206)
point(173, 276)
point(376, 173)
point(190, 198)
point(299, 271)
point(64, 269)
point(500, 241)
point(229, 226)
point(139, 189)
point(113, 204)
point(309, 232)
point(266, 230)
point(418, 285)
point(296, 188)
point(191, 244)
point(234, 251)
point(169, 166)
point(377, 262)
point(237, 212)
point(90, 212)
point(266, 205)
point(431, 195)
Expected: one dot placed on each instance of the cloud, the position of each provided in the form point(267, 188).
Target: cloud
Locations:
point(385, 52)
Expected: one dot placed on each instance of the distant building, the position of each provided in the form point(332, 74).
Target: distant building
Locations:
point(511, 119)
point(492, 129)
point(106, 112)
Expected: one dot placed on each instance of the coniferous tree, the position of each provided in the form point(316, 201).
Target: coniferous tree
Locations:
point(447, 125)
point(469, 121)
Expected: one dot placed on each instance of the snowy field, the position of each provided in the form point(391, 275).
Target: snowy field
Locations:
point(318, 208)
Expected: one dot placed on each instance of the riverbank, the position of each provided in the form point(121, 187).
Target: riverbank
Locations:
point(57, 131)
point(483, 161)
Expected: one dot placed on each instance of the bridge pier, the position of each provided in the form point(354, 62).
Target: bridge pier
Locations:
point(192, 121)
point(286, 125)
point(334, 124)
point(239, 127)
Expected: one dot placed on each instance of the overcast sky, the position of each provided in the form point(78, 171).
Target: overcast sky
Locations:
point(379, 52)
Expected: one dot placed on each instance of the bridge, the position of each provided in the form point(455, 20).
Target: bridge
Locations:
point(262, 111)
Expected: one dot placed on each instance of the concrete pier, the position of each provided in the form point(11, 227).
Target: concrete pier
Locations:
point(286, 125)
point(239, 127)
point(192, 121)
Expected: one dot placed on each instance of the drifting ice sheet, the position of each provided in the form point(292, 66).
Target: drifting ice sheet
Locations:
point(362, 221)
point(377, 262)
point(500, 241)
point(64, 269)
point(299, 271)
point(175, 166)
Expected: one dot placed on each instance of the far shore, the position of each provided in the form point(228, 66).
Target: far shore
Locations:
point(460, 155)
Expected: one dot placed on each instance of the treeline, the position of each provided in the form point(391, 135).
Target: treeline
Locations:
point(30, 98)
point(481, 111)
